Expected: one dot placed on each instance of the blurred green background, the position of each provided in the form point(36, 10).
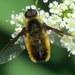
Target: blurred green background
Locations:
point(59, 64)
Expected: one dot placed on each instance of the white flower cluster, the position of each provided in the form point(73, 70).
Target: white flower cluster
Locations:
point(18, 19)
point(45, 1)
point(69, 43)
point(65, 18)
point(60, 16)
point(65, 11)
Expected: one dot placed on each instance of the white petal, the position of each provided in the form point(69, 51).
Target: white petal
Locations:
point(73, 52)
point(33, 6)
point(12, 22)
point(45, 1)
point(27, 7)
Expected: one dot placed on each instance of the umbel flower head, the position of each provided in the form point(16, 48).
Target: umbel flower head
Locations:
point(60, 16)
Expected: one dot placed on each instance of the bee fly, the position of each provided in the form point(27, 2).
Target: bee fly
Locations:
point(36, 39)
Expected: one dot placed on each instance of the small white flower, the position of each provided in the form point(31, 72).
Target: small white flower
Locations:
point(41, 12)
point(45, 20)
point(55, 3)
point(63, 7)
point(20, 17)
point(68, 43)
point(54, 8)
point(45, 1)
point(55, 19)
point(46, 14)
point(63, 24)
point(71, 23)
point(27, 7)
point(33, 6)
point(73, 15)
point(12, 16)
point(65, 19)
point(67, 2)
point(69, 14)
point(72, 29)
point(50, 5)
point(73, 52)
point(72, 5)
point(14, 35)
point(12, 22)
point(11, 57)
point(18, 29)
point(66, 40)
point(18, 25)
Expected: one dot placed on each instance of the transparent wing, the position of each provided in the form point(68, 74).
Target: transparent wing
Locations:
point(55, 38)
point(11, 50)
point(59, 40)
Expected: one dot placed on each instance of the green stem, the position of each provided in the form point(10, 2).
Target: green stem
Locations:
point(36, 3)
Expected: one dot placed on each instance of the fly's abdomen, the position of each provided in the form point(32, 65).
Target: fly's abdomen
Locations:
point(38, 46)
point(39, 52)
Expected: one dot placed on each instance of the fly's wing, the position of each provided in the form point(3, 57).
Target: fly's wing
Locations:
point(56, 39)
point(11, 50)
point(56, 36)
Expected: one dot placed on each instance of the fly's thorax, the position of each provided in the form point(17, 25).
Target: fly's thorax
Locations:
point(27, 20)
point(34, 26)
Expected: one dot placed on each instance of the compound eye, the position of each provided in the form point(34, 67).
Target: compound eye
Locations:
point(34, 12)
point(30, 13)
